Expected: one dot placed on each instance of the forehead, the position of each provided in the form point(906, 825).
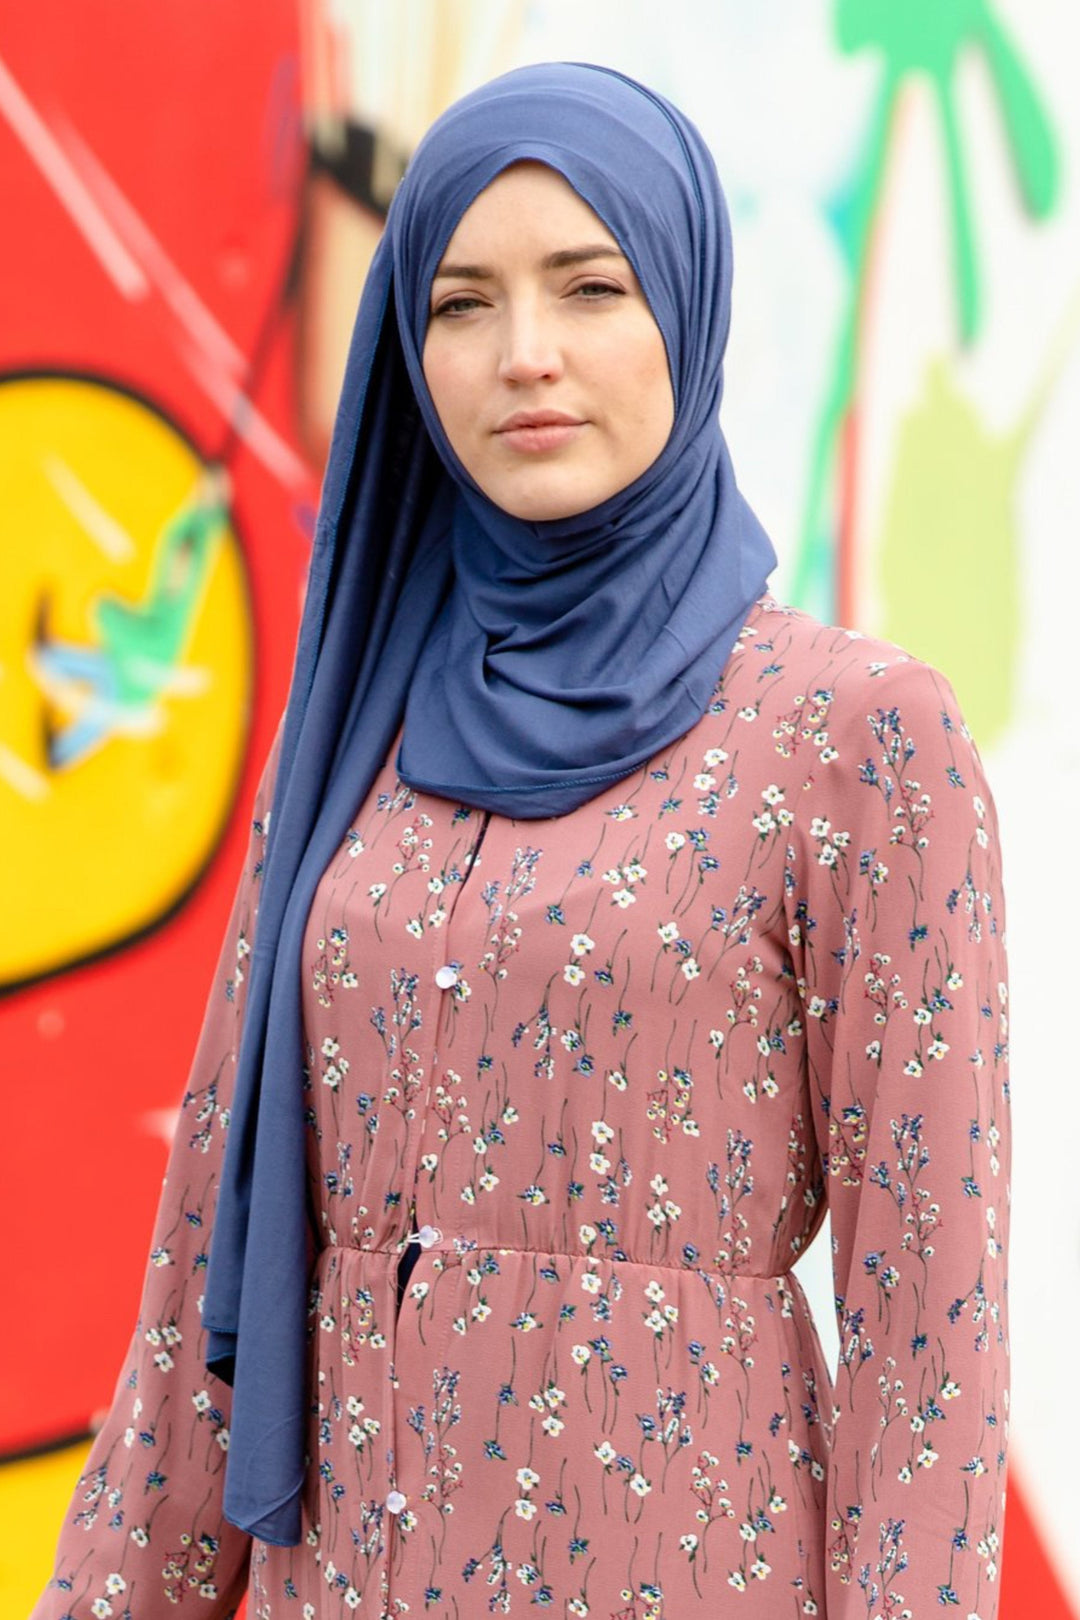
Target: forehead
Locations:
point(527, 206)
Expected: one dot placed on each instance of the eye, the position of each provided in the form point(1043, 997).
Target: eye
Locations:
point(457, 304)
point(592, 292)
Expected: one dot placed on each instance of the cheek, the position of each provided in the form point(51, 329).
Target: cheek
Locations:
point(645, 386)
point(657, 376)
point(631, 368)
point(447, 380)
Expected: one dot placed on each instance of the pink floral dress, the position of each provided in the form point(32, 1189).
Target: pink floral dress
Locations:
point(599, 1076)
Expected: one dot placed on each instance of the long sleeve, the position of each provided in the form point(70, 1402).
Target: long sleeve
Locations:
point(897, 928)
point(144, 1528)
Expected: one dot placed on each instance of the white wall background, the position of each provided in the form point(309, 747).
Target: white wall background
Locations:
point(786, 115)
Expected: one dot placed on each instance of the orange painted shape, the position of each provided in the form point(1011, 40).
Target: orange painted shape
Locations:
point(1030, 1586)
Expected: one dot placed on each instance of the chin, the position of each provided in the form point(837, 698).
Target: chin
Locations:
point(543, 512)
point(544, 505)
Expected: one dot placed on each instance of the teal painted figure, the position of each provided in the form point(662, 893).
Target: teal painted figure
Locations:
point(112, 687)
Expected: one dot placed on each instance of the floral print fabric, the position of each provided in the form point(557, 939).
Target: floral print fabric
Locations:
point(600, 1076)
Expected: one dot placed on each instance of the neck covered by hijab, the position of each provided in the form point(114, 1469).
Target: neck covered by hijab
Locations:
point(579, 646)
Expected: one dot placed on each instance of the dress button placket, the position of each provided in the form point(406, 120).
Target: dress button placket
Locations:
point(446, 976)
point(427, 1236)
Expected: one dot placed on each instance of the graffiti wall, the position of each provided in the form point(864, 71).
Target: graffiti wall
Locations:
point(192, 198)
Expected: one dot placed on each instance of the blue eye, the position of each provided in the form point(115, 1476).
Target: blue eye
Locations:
point(593, 291)
point(460, 305)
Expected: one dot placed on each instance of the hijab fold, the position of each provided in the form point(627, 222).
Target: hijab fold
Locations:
point(528, 665)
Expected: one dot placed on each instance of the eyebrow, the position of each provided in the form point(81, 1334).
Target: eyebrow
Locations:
point(563, 259)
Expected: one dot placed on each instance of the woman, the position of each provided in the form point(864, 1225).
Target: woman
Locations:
point(635, 918)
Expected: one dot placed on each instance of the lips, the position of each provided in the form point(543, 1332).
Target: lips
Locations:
point(532, 431)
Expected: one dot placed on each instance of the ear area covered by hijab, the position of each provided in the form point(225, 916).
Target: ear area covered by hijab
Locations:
point(622, 619)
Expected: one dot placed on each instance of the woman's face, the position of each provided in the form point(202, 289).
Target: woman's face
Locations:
point(544, 363)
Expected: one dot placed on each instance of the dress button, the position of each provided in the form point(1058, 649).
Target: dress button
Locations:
point(395, 1502)
point(446, 977)
point(428, 1235)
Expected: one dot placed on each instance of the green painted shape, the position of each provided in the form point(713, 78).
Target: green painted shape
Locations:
point(964, 264)
point(924, 38)
point(145, 640)
point(839, 210)
point(1030, 136)
point(915, 36)
point(813, 584)
point(949, 554)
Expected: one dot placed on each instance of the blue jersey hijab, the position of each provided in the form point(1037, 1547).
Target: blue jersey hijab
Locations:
point(579, 647)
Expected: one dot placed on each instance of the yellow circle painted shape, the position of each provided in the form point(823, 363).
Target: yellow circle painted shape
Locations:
point(34, 1497)
point(125, 670)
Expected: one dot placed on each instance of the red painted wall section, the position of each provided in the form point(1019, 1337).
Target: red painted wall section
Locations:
point(193, 114)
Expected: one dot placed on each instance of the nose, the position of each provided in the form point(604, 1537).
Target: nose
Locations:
point(530, 351)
